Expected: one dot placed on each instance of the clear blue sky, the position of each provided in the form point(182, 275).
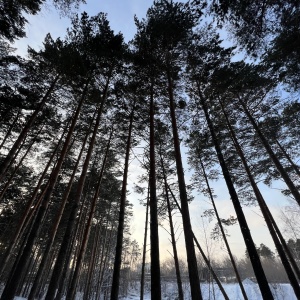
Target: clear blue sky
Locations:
point(120, 14)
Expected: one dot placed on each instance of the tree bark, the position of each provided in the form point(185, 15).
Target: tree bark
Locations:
point(89, 288)
point(265, 211)
point(144, 248)
point(72, 289)
point(4, 165)
point(253, 255)
point(295, 167)
point(53, 232)
point(223, 233)
point(10, 289)
point(10, 129)
point(173, 239)
point(203, 254)
point(6, 186)
point(53, 285)
point(272, 155)
point(119, 245)
point(187, 228)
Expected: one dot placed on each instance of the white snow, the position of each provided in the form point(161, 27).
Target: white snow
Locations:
point(280, 291)
point(169, 290)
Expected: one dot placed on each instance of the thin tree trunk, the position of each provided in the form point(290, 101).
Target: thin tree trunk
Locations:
point(223, 233)
point(119, 245)
point(103, 255)
point(295, 167)
point(144, 248)
point(91, 266)
point(272, 155)
point(202, 253)
point(10, 165)
point(32, 266)
point(106, 257)
point(56, 223)
point(173, 240)
point(253, 255)
point(26, 214)
point(187, 228)
point(72, 218)
point(72, 289)
point(10, 128)
point(266, 213)
point(7, 184)
point(4, 165)
point(64, 276)
point(10, 289)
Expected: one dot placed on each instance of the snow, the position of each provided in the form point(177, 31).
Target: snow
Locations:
point(280, 291)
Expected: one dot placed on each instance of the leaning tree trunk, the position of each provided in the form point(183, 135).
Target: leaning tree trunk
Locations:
point(172, 233)
point(10, 128)
point(10, 289)
point(272, 155)
point(89, 288)
point(7, 184)
point(253, 255)
point(286, 155)
point(206, 260)
point(53, 232)
point(53, 285)
point(119, 245)
point(263, 206)
point(187, 228)
point(65, 268)
point(72, 289)
point(9, 157)
point(238, 277)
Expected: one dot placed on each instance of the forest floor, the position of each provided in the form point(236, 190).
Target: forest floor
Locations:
point(281, 291)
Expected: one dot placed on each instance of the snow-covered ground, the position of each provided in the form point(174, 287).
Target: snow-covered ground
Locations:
point(280, 292)
point(169, 292)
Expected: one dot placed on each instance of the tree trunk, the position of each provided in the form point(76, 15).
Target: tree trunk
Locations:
point(295, 167)
point(203, 254)
point(253, 255)
point(223, 233)
point(88, 290)
point(104, 252)
point(154, 237)
point(187, 228)
point(10, 128)
point(72, 289)
point(10, 289)
point(26, 217)
point(6, 186)
point(265, 211)
point(119, 245)
point(52, 235)
point(72, 218)
point(4, 165)
point(144, 248)
point(173, 239)
point(272, 155)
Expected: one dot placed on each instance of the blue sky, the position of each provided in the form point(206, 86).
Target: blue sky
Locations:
point(120, 13)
